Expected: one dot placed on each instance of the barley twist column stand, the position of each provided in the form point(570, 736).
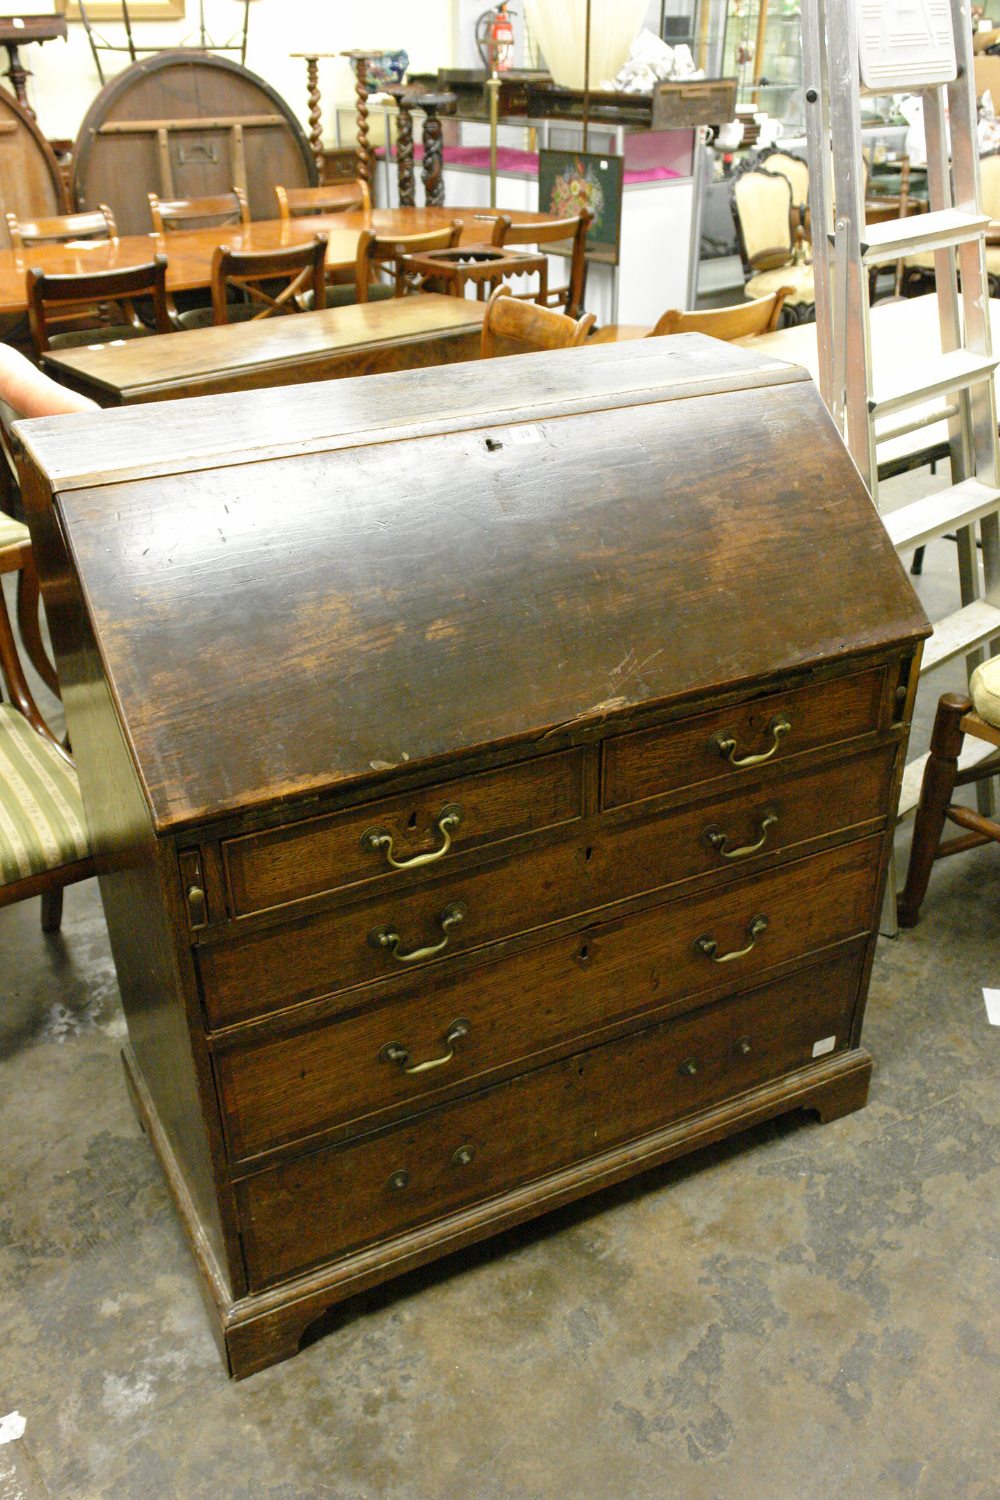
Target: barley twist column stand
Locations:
point(433, 105)
point(315, 108)
point(404, 143)
point(359, 61)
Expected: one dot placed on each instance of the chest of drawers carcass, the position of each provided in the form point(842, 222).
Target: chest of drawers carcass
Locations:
point(491, 773)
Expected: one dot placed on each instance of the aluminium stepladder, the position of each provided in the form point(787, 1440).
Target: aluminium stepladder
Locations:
point(851, 47)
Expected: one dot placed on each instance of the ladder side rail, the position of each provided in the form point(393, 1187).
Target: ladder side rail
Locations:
point(960, 427)
point(814, 75)
point(852, 318)
point(975, 307)
point(972, 256)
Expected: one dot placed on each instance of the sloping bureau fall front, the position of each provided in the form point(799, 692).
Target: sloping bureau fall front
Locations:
point(491, 794)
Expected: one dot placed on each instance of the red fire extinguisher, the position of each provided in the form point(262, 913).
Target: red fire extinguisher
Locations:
point(502, 38)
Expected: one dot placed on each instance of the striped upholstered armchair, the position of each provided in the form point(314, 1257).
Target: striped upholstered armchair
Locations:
point(43, 840)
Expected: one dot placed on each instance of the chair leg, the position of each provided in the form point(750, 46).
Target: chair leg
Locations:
point(52, 909)
point(935, 795)
point(31, 633)
point(917, 565)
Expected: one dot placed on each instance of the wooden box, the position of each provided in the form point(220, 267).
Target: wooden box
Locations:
point(492, 778)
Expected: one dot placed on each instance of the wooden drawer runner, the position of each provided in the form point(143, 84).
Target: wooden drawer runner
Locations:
point(650, 762)
point(326, 854)
point(322, 954)
point(552, 996)
point(326, 1204)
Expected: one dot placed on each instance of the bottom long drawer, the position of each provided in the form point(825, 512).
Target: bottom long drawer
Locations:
point(323, 1205)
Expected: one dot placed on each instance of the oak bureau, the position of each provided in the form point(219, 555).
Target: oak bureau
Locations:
point(491, 772)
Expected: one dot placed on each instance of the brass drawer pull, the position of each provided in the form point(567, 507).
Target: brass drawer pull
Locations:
point(448, 820)
point(385, 938)
point(395, 1052)
point(717, 840)
point(689, 1068)
point(398, 1181)
point(708, 946)
point(725, 744)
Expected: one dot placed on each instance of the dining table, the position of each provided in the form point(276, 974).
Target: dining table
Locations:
point(189, 252)
point(366, 338)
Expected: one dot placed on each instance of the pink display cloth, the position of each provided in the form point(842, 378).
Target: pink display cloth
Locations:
point(509, 160)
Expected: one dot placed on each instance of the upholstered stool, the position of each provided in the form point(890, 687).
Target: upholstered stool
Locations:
point(957, 716)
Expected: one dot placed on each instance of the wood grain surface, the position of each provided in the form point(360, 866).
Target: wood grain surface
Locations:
point(189, 251)
point(368, 607)
point(364, 339)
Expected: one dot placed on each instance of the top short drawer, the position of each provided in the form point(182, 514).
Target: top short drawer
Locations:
point(330, 853)
point(733, 742)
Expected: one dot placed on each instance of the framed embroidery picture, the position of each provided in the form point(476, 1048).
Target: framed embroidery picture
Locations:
point(569, 181)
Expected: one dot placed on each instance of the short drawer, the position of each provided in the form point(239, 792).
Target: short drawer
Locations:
point(546, 998)
point(339, 1199)
point(424, 826)
point(709, 748)
point(322, 954)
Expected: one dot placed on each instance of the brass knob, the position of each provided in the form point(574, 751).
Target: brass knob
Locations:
point(688, 1068)
point(463, 1156)
point(743, 1046)
point(398, 1181)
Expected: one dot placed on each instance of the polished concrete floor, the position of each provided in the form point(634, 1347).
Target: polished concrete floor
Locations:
point(804, 1313)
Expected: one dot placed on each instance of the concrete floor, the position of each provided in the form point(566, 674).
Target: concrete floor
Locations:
point(804, 1313)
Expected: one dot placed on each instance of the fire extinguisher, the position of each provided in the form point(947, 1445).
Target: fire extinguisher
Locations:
point(502, 38)
point(495, 38)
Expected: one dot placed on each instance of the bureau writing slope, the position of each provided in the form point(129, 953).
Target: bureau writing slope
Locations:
point(491, 771)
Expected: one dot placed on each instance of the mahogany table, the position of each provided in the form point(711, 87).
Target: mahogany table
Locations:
point(190, 251)
point(401, 334)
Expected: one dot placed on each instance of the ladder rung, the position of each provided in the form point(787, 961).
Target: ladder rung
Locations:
point(945, 372)
point(971, 753)
point(935, 231)
point(960, 633)
point(934, 515)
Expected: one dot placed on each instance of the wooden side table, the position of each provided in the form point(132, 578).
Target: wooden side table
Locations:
point(484, 266)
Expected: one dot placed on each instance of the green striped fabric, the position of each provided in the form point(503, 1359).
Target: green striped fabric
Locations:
point(12, 533)
point(41, 814)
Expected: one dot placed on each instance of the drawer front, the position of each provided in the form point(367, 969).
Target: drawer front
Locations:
point(324, 1205)
point(322, 954)
point(651, 762)
point(331, 853)
point(549, 997)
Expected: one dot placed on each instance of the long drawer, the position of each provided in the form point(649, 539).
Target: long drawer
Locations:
point(549, 997)
point(323, 954)
point(321, 1206)
point(728, 743)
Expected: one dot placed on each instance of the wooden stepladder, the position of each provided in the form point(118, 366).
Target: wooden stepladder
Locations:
point(857, 47)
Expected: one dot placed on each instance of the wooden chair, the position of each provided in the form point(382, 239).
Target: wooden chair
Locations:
point(774, 255)
point(16, 557)
point(171, 215)
point(57, 230)
point(957, 716)
point(570, 232)
point(385, 253)
point(43, 838)
point(745, 320)
point(335, 198)
point(269, 282)
point(510, 317)
point(97, 300)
